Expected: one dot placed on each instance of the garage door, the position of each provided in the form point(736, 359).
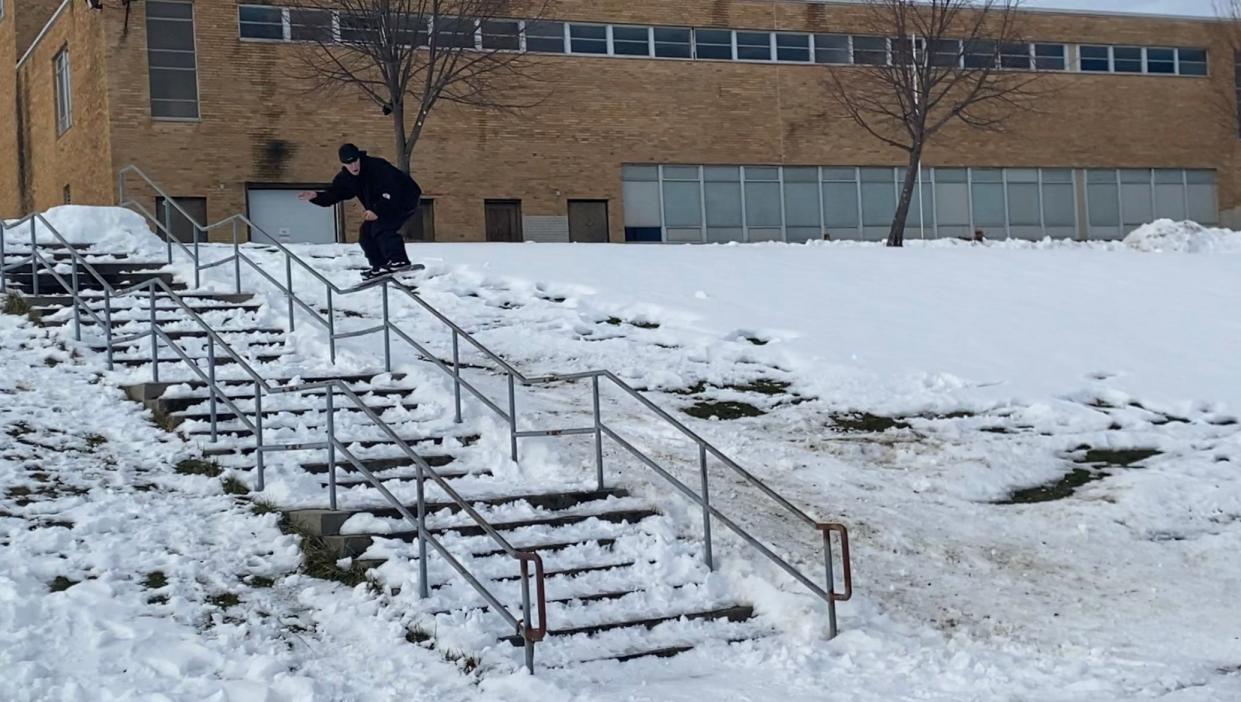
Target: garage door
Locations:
point(290, 221)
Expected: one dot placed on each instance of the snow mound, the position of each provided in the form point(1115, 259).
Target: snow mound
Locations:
point(1167, 236)
point(115, 229)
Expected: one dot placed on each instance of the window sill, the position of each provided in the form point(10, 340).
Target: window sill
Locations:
point(177, 120)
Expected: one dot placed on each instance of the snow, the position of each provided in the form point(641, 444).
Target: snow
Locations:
point(1165, 235)
point(997, 361)
point(110, 229)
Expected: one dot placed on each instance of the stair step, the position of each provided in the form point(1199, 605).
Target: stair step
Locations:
point(151, 391)
point(357, 544)
point(183, 403)
point(247, 449)
point(142, 312)
point(449, 474)
point(258, 337)
point(95, 297)
point(225, 414)
point(665, 652)
point(736, 613)
point(541, 548)
point(137, 362)
point(328, 523)
point(378, 465)
point(567, 599)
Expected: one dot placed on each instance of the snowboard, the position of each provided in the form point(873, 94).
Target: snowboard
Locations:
point(403, 277)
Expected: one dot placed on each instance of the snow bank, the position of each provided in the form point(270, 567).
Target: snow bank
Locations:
point(115, 229)
point(1167, 236)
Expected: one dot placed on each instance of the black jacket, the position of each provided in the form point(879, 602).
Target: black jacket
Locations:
point(381, 188)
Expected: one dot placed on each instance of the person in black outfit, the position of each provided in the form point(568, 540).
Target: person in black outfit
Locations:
point(390, 198)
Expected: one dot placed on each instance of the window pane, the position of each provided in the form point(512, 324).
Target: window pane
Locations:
point(762, 173)
point(831, 48)
point(680, 172)
point(642, 204)
point(762, 204)
point(713, 43)
point(843, 175)
point(1160, 61)
point(682, 204)
point(1057, 175)
point(1202, 207)
point(1104, 204)
point(724, 205)
point(310, 25)
point(545, 37)
point(1127, 59)
point(1023, 207)
point(871, 51)
point(455, 33)
point(840, 205)
point(171, 59)
point(945, 52)
point(1136, 203)
point(981, 54)
point(173, 84)
point(988, 200)
point(1015, 56)
point(261, 22)
point(673, 43)
point(729, 174)
point(631, 41)
point(801, 174)
point(640, 172)
point(1193, 62)
point(1058, 207)
point(1096, 58)
point(754, 46)
point(1135, 175)
point(1049, 57)
point(878, 196)
point(952, 202)
point(1170, 201)
point(987, 175)
point(1200, 177)
point(175, 109)
point(801, 204)
point(172, 10)
point(951, 175)
point(164, 34)
point(793, 47)
point(502, 34)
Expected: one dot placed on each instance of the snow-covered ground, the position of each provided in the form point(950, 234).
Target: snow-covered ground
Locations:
point(999, 367)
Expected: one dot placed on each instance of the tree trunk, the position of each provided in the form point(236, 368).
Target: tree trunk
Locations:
point(402, 141)
point(896, 235)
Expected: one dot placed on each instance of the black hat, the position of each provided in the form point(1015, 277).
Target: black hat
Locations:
point(349, 153)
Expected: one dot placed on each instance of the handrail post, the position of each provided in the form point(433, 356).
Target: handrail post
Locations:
point(154, 340)
point(288, 281)
point(34, 262)
point(831, 585)
point(525, 624)
point(387, 330)
point(706, 507)
point(236, 260)
point(512, 416)
point(456, 378)
point(331, 327)
point(197, 276)
point(424, 587)
point(168, 227)
point(4, 278)
point(77, 310)
point(107, 326)
point(594, 381)
point(258, 435)
point(331, 446)
point(211, 381)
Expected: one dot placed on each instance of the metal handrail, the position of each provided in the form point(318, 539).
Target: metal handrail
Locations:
point(523, 628)
point(388, 328)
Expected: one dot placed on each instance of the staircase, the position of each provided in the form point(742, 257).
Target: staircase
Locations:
point(616, 578)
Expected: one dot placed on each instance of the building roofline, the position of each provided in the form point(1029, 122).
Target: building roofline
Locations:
point(1062, 11)
point(43, 32)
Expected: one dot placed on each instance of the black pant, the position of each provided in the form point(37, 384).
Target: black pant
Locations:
point(382, 243)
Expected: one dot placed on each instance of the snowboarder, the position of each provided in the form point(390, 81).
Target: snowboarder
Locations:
point(390, 198)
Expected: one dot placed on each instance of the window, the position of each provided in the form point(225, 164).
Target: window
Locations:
point(1023, 198)
point(832, 48)
point(411, 30)
point(422, 227)
point(357, 30)
point(1096, 59)
point(171, 59)
point(981, 54)
point(68, 194)
point(840, 200)
point(793, 47)
point(1103, 199)
point(1200, 196)
point(499, 35)
point(261, 22)
point(1059, 199)
point(753, 46)
point(1192, 62)
point(682, 191)
point(588, 38)
point(631, 41)
point(1015, 56)
point(310, 25)
point(723, 202)
point(545, 37)
point(1, 10)
point(182, 229)
point(870, 51)
point(987, 197)
point(878, 197)
point(713, 44)
point(1161, 61)
point(643, 219)
point(1049, 57)
point(801, 204)
point(762, 204)
point(1127, 59)
point(673, 43)
point(64, 97)
point(456, 33)
point(944, 52)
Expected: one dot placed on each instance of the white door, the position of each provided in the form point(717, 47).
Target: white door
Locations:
point(290, 221)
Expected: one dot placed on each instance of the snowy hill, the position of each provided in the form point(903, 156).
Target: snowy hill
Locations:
point(1036, 448)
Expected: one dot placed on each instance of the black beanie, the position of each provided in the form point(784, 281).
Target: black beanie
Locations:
point(349, 153)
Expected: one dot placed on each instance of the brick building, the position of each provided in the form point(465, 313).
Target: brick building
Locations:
point(688, 121)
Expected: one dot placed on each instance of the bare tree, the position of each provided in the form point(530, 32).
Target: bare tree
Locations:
point(407, 56)
point(1228, 102)
point(930, 64)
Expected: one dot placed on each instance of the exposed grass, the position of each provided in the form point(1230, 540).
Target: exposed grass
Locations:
point(15, 304)
point(233, 486)
point(1121, 458)
point(224, 600)
point(1059, 489)
point(198, 466)
point(319, 559)
point(866, 422)
point(17, 429)
point(157, 600)
point(757, 341)
point(60, 583)
point(155, 580)
point(725, 410)
point(259, 581)
point(764, 386)
point(263, 507)
point(417, 636)
point(94, 441)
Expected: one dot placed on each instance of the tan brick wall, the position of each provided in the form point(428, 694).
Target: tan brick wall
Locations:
point(78, 158)
point(259, 125)
point(30, 18)
point(10, 197)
